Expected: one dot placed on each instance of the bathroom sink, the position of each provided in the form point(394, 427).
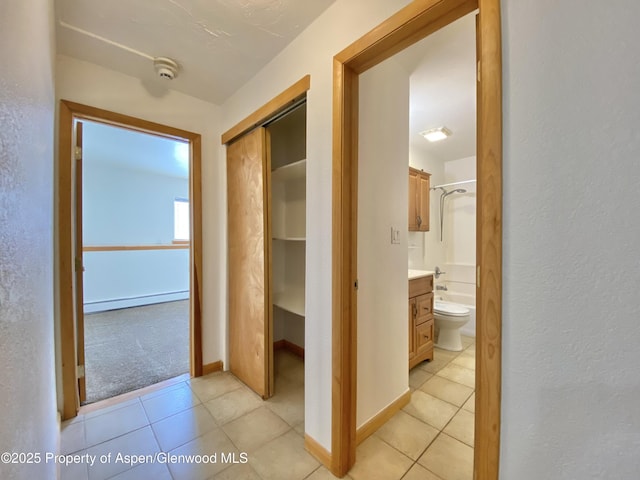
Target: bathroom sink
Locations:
point(413, 274)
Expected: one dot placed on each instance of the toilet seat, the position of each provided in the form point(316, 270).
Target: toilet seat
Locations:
point(450, 309)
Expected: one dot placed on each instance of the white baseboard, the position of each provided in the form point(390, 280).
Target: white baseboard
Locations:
point(117, 303)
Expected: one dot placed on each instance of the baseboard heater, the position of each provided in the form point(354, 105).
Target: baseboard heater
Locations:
point(137, 301)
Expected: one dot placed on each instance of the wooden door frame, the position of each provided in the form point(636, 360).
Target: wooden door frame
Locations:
point(69, 111)
point(411, 24)
point(278, 104)
point(79, 274)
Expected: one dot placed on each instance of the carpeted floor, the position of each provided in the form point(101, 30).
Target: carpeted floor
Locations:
point(135, 347)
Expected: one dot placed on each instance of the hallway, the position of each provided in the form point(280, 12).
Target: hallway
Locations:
point(431, 438)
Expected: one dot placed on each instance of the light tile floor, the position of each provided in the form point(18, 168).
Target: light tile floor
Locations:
point(431, 438)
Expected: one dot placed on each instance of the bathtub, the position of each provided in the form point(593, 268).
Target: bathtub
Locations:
point(464, 299)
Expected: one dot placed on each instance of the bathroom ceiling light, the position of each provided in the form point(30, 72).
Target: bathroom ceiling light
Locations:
point(436, 134)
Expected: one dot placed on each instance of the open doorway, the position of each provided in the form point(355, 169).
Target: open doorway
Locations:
point(409, 25)
point(104, 212)
point(135, 254)
point(434, 85)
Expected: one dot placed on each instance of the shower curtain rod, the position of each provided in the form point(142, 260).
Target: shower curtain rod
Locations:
point(452, 184)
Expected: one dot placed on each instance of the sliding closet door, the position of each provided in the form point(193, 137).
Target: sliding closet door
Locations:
point(250, 336)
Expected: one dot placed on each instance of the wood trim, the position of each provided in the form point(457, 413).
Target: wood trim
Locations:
point(344, 354)
point(68, 111)
point(79, 277)
point(370, 427)
point(119, 120)
point(318, 451)
point(195, 256)
point(412, 23)
point(66, 294)
point(214, 367)
point(117, 248)
point(489, 245)
point(268, 274)
point(409, 25)
point(289, 346)
point(268, 110)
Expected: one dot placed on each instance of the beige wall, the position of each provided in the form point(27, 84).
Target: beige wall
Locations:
point(383, 290)
point(27, 377)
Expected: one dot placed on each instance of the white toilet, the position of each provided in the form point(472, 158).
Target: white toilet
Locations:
point(449, 319)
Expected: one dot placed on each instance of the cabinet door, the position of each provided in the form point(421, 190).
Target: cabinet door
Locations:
point(413, 200)
point(423, 202)
point(412, 343)
point(249, 243)
point(424, 338)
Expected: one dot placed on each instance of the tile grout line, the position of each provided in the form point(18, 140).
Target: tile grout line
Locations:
point(148, 423)
point(440, 431)
point(415, 462)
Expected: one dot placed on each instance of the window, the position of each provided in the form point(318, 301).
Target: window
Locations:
point(181, 220)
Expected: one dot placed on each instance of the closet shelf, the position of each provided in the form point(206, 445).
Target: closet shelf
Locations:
point(291, 300)
point(292, 171)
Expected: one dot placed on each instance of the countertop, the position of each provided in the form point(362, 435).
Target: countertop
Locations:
point(413, 274)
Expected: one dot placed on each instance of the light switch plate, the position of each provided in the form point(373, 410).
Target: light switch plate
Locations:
point(395, 236)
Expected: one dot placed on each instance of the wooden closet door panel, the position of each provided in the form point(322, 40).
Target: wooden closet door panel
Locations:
point(249, 276)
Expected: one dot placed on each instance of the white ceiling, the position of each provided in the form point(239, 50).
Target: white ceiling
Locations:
point(218, 44)
point(443, 89)
point(221, 44)
point(106, 144)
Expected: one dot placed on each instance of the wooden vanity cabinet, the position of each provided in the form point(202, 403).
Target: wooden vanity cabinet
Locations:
point(419, 183)
point(420, 320)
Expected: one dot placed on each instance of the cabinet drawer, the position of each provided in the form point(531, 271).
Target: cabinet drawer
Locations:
point(424, 336)
point(420, 286)
point(424, 303)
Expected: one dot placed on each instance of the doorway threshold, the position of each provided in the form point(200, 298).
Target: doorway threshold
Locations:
point(124, 397)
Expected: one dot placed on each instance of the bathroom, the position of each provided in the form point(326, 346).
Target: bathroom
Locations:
point(442, 91)
point(431, 388)
point(450, 243)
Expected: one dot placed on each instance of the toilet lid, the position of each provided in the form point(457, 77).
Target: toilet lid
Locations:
point(452, 309)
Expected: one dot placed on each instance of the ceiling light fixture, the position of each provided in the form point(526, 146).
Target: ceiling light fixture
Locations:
point(436, 134)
